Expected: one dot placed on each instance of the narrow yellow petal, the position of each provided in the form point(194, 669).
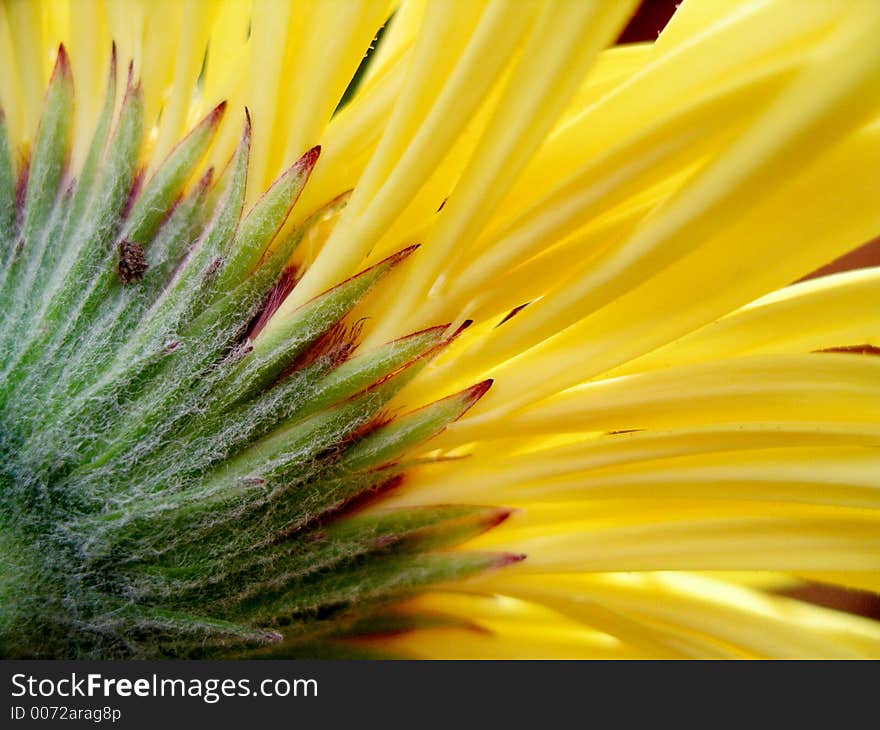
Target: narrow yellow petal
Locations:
point(672, 534)
point(271, 29)
point(422, 128)
point(661, 149)
point(399, 35)
point(747, 622)
point(337, 34)
point(32, 62)
point(814, 315)
point(196, 19)
point(566, 38)
point(832, 217)
point(763, 461)
point(502, 627)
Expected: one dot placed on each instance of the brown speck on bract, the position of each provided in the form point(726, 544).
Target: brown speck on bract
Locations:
point(132, 263)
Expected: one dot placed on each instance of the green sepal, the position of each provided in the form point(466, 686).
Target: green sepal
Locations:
point(386, 621)
point(80, 298)
point(281, 482)
point(186, 290)
point(220, 583)
point(418, 529)
point(402, 434)
point(376, 560)
point(51, 148)
point(367, 580)
point(7, 195)
point(264, 220)
point(321, 385)
point(176, 235)
point(26, 274)
point(204, 337)
point(229, 207)
point(152, 205)
point(85, 271)
point(274, 350)
point(265, 488)
point(129, 303)
point(151, 405)
point(331, 648)
point(284, 450)
point(42, 195)
point(113, 188)
point(76, 228)
point(362, 371)
point(223, 431)
point(230, 312)
point(164, 634)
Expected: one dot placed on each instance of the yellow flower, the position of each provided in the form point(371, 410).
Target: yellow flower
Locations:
point(667, 440)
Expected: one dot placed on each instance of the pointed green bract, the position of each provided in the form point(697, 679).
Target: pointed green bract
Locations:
point(48, 276)
point(273, 352)
point(51, 148)
point(169, 246)
point(176, 478)
point(112, 192)
point(430, 528)
point(41, 216)
point(264, 220)
point(389, 621)
point(363, 582)
point(224, 430)
point(359, 372)
point(412, 429)
point(86, 269)
point(185, 290)
point(7, 195)
point(330, 306)
point(127, 305)
point(150, 207)
point(303, 438)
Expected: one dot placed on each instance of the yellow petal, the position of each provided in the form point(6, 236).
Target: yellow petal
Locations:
point(814, 315)
point(746, 622)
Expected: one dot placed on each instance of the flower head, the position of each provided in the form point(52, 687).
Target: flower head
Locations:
point(492, 351)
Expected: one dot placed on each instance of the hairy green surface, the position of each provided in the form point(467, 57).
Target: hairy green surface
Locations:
point(171, 482)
